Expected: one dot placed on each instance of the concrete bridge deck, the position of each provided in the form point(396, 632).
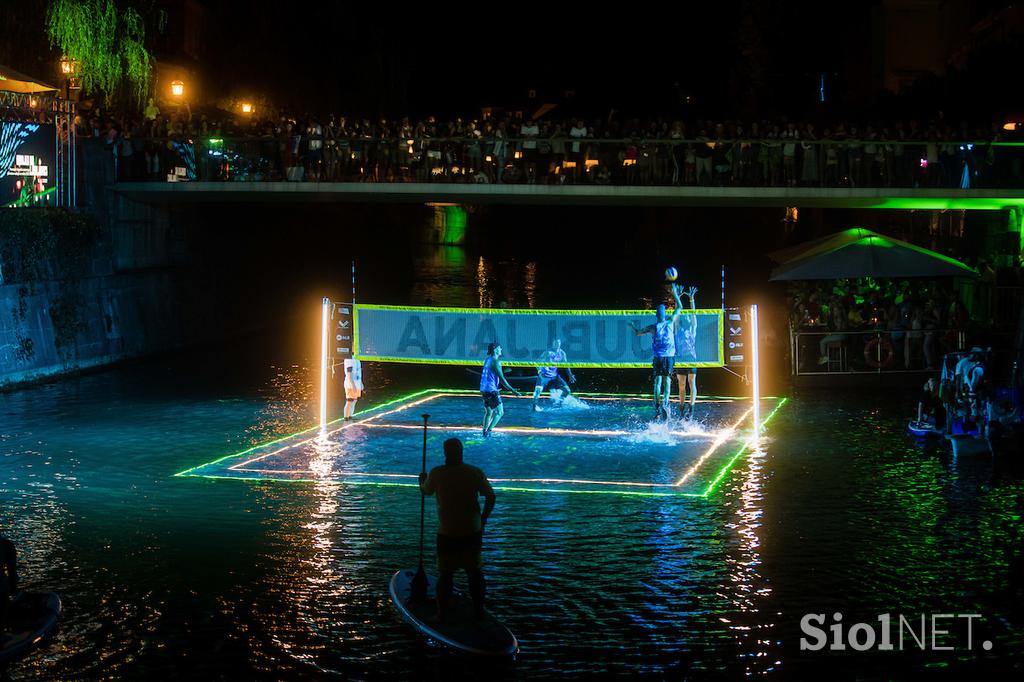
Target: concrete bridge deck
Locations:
point(592, 195)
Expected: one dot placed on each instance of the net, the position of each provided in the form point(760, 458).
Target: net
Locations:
point(590, 338)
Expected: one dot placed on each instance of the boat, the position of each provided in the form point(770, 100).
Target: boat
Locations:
point(31, 618)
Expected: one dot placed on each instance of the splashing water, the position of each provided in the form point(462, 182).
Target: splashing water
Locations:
point(571, 402)
point(653, 432)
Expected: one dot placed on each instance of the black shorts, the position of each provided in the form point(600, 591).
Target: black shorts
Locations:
point(449, 543)
point(684, 371)
point(554, 382)
point(492, 399)
point(663, 366)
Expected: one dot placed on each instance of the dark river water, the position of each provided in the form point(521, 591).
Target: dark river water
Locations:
point(836, 511)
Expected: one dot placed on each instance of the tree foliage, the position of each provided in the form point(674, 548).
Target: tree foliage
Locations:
point(107, 41)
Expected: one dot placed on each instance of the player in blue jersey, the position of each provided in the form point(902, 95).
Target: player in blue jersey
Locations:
point(491, 380)
point(548, 378)
point(664, 351)
point(686, 353)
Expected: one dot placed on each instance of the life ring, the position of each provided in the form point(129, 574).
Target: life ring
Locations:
point(876, 348)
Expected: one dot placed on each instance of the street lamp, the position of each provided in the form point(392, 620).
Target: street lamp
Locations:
point(177, 88)
point(68, 68)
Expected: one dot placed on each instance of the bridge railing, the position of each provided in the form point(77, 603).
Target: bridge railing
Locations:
point(772, 162)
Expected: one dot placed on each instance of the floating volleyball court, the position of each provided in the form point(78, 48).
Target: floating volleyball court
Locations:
point(597, 443)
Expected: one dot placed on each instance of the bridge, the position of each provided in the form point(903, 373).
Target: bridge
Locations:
point(588, 194)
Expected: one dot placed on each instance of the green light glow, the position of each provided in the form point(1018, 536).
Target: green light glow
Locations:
point(29, 199)
point(728, 465)
point(859, 236)
point(941, 203)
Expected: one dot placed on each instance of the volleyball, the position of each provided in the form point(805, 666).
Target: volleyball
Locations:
point(671, 274)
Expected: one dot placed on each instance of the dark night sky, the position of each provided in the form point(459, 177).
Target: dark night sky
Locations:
point(736, 58)
point(462, 57)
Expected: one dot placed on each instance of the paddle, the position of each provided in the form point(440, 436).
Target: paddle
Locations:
point(418, 589)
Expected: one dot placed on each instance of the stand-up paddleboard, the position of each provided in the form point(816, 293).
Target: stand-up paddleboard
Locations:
point(461, 629)
point(31, 618)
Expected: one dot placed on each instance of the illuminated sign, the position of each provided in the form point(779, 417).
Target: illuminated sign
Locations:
point(31, 166)
point(27, 153)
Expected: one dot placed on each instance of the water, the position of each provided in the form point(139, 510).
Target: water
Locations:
point(836, 511)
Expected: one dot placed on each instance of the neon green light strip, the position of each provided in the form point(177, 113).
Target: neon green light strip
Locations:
point(728, 465)
point(718, 442)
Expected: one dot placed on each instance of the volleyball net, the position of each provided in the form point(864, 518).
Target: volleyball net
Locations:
point(725, 338)
point(590, 338)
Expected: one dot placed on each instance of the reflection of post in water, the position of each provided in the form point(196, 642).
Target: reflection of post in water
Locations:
point(447, 224)
point(749, 622)
point(441, 276)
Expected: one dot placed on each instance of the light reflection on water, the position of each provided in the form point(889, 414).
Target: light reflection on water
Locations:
point(835, 510)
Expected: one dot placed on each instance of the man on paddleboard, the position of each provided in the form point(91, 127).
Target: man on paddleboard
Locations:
point(459, 487)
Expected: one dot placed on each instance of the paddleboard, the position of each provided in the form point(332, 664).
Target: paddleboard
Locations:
point(923, 429)
point(461, 629)
point(32, 617)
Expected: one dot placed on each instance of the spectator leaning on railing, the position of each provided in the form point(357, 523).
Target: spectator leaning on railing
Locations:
point(505, 149)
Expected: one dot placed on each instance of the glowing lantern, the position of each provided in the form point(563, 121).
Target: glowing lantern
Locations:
point(67, 66)
point(246, 108)
point(177, 88)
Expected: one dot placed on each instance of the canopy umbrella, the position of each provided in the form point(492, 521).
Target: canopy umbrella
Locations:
point(791, 252)
point(858, 252)
point(15, 81)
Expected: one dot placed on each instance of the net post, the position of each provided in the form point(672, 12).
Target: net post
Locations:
point(755, 361)
point(324, 329)
point(723, 288)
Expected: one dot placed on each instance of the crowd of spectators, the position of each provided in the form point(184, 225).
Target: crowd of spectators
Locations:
point(511, 149)
point(903, 324)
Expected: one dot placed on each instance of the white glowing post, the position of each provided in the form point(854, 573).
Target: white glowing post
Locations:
point(324, 329)
point(755, 360)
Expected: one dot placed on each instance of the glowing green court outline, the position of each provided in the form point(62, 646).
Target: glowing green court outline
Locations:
point(722, 472)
